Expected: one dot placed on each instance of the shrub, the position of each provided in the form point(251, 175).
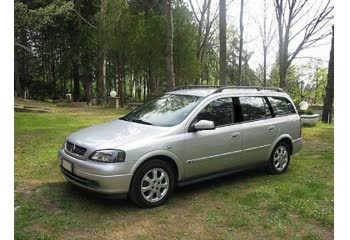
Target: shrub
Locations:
point(309, 112)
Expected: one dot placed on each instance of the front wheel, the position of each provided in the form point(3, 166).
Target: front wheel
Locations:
point(152, 184)
point(279, 159)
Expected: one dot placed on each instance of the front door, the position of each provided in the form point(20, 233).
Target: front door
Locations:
point(209, 151)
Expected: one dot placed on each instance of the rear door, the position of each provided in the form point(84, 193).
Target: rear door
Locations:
point(258, 129)
point(288, 121)
point(209, 151)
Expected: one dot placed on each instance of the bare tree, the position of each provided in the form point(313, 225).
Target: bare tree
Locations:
point(328, 101)
point(288, 14)
point(241, 28)
point(222, 36)
point(205, 29)
point(267, 34)
point(169, 48)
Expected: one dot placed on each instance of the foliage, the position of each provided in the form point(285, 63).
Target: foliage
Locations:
point(304, 82)
point(60, 43)
point(65, 39)
point(309, 111)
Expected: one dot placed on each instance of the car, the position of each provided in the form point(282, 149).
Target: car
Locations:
point(187, 135)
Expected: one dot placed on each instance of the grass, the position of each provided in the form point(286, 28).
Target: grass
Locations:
point(249, 205)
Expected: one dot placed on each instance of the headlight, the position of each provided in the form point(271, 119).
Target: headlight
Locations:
point(108, 155)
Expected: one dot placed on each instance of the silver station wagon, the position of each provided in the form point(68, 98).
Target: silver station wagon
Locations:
point(190, 134)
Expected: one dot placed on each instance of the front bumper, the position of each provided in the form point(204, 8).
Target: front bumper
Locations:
point(104, 178)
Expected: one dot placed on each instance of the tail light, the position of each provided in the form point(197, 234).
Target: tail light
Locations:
point(300, 127)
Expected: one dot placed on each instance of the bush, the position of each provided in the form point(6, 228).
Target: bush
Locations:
point(309, 112)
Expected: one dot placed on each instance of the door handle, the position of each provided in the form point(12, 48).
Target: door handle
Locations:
point(236, 134)
point(271, 128)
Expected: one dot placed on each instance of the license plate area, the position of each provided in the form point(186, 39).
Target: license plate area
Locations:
point(67, 165)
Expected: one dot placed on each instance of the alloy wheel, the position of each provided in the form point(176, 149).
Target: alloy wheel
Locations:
point(280, 158)
point(155, 185)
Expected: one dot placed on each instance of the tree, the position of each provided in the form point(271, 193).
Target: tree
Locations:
point(222, 29)
point(185, 36)
point(76, 63)
point(205, 32)
point(169, 49)
point(267, 34)
point(89, 47)
point(288, 14)
point(101, 61)
point(241, 28)
point(329, 99)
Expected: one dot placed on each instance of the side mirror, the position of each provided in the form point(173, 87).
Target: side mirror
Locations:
point(204, 125)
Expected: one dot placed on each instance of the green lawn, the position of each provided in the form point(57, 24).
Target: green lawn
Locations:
point(250, 205)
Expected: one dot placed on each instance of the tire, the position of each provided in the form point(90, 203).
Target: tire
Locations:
point(157, 180)
point(279, 159)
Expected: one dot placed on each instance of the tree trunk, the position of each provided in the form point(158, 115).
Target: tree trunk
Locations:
point(240, 44)
point(151, 85)
point(101, 62)
point(54, 80)
point(76, 67)
point(76, 82)
point(222, 36)
point(265, 56)
point(120, 86)
point(144, 86)
point(18, 89)
point(283, 71)
point(87, 82)
point(169, 49)
point(328, 101)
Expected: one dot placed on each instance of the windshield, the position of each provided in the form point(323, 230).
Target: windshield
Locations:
point(166, 110)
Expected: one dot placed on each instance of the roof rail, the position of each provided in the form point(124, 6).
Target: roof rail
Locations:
point(220, 88)
point(196, 86)
point(248, 87)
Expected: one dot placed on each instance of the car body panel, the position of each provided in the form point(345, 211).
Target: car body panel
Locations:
point(211, 150)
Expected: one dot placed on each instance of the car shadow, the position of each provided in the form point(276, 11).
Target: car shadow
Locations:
point(65, 191)
point(207, 186)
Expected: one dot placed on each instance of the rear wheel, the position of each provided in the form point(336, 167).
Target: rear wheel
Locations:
point(279, 159)
point(152, 184)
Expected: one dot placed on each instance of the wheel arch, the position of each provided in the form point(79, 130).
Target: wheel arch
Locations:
point(283, 138)
point(165, 156)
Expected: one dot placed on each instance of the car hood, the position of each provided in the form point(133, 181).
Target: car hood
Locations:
point(114, 134)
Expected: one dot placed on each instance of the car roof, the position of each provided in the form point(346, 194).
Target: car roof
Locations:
point(204, 92)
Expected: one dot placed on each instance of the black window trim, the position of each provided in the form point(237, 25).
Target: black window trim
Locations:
point(260, 119)
point(226, 125)
point(284, 114)
point(265, 97)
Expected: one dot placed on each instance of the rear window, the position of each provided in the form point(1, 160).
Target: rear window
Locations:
point(281, 106)
point(254, 108)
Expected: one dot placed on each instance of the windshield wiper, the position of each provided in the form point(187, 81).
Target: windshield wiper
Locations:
point(140, 121)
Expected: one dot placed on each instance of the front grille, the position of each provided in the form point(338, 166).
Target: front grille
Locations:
point(72, 148)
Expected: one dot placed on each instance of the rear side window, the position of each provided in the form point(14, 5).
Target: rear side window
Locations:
point(219, 111)
point(254, 108)
point(281, 106)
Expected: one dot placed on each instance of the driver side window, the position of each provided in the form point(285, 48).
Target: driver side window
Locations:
point(219, 111)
